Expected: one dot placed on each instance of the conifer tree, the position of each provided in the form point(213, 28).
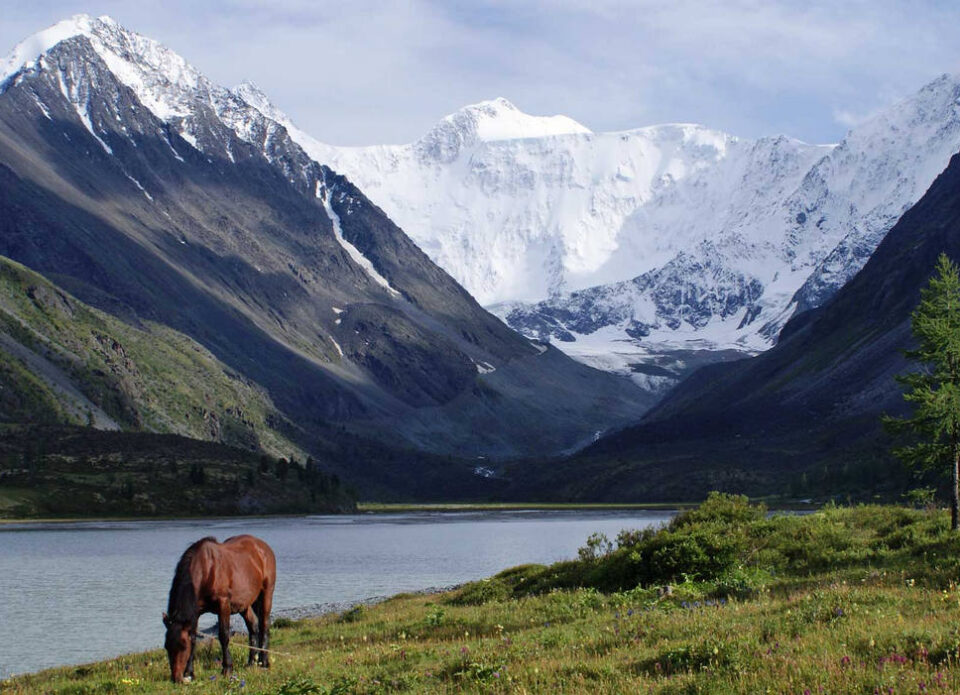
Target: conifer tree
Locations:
point(934, 388)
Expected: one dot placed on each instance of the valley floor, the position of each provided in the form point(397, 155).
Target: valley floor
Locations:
point(860, 600)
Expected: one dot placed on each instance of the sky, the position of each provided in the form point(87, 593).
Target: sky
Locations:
point(369, 72)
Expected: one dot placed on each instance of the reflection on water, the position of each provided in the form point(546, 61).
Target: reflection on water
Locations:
point(79, 592)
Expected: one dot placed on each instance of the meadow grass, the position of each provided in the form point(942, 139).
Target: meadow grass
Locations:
point(845, 600)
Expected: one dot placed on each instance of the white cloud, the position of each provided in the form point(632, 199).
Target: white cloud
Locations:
point(366, 71)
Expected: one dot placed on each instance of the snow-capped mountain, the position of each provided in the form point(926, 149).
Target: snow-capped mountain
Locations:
point(147, 191)
point(519, 207)
point(657, 247)
point(646, 251)
point(174, 91)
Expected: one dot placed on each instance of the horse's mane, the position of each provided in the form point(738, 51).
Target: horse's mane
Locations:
point(182, 607)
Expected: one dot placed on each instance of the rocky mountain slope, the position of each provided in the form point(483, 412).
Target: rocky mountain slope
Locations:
point(804, 415)
point(650, 251)
point(146, 191)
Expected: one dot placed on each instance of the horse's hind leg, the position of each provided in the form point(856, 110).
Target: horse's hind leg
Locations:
point(265, 604)
point(253, 628)
point(223, 625)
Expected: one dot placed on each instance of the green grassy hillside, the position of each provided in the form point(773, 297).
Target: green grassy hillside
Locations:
point(65, 362)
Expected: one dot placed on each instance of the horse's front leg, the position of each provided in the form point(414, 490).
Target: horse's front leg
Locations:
point(250, 618)
point(224, 635)
point(188, 670)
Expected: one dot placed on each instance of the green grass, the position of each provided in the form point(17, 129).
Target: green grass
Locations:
point(843, 601)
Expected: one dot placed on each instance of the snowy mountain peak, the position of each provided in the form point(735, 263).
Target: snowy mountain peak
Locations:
point(498, 119)
point(166, 84)
point(490, 121)
point(162, 80)
point(255, 97)
point(28, 51)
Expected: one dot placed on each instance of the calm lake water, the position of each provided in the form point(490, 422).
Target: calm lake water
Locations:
point(81, 592)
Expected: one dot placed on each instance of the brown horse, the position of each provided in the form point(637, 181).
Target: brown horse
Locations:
point(236, 576)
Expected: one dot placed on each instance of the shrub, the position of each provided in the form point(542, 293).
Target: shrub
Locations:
point(720, 508)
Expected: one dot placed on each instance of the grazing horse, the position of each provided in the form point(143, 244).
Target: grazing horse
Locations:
point(236, 576)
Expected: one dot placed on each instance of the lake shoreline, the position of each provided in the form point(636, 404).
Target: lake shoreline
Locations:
point(375, 508)
point(326, 564)
point(368, 508)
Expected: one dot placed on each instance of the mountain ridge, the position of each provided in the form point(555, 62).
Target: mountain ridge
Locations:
point(213, 221)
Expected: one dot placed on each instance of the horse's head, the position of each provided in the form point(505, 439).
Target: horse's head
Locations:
point(178, 645)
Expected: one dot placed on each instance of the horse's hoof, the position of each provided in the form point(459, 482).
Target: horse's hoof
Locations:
point(188, 679)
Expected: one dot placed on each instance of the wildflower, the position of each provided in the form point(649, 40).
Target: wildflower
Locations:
point(496, 674)
point(243, 683)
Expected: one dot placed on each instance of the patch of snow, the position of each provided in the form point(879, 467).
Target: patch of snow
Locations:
point(84, 113)
point(324, 194)
point(43, 109)
point(142, 189)
point(188, 136)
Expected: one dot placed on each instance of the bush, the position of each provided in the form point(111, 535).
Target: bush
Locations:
point(720, 508)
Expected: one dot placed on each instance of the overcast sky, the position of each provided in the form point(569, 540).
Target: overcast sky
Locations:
point(365, 72)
